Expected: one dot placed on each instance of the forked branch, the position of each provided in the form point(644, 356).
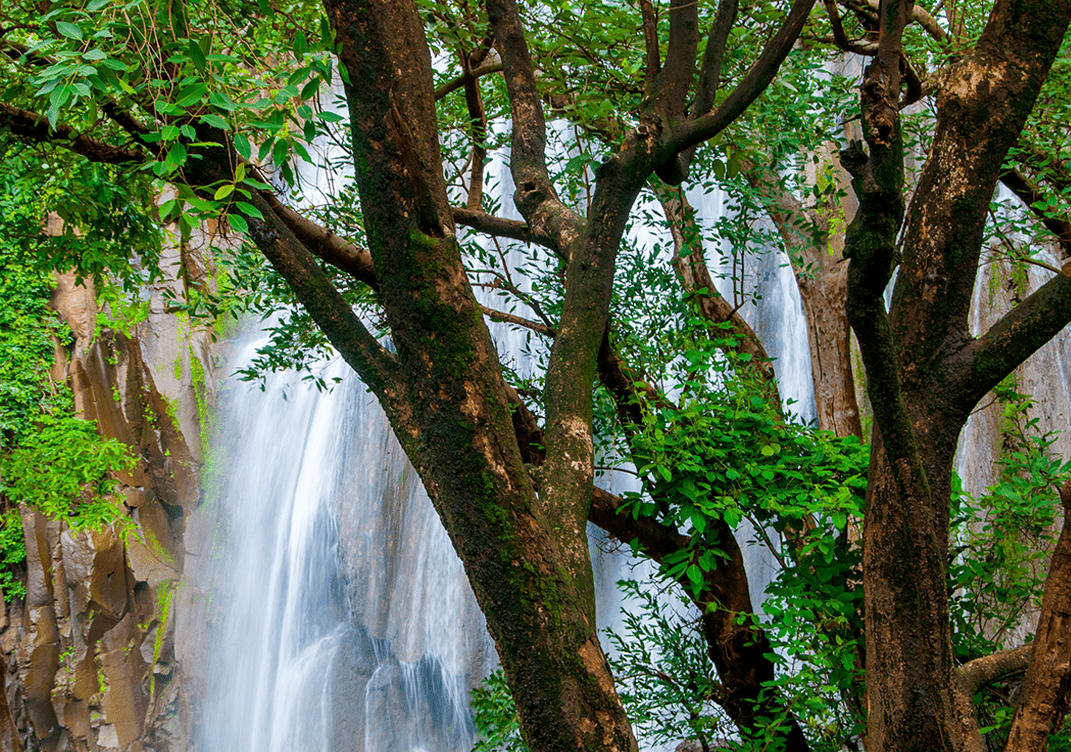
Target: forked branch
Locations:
point(710, 72)
point(753, 84)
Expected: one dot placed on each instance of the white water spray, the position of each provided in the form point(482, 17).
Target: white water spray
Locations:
point(338, 611)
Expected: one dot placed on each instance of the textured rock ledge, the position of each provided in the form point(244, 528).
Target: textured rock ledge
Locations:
point(88, 658)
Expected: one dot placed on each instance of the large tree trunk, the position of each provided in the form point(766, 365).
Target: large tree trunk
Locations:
point(925, 371)
point(912, 701)
point(526, 559)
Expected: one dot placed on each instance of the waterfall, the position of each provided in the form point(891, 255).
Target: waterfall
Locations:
point(337, 613)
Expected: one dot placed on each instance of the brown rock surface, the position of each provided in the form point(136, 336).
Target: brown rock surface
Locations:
point(90, 652)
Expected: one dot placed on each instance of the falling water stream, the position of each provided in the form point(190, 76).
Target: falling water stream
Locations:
point(343, 619)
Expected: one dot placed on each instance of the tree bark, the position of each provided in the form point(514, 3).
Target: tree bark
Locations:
point(822, 281)
point(923, 366)
point(1043, 700)
point(526, 558)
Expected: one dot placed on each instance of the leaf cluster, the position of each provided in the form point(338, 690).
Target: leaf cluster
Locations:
point(50, 460)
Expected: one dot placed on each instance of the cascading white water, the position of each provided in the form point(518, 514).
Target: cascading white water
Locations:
point(338, 614)
point(271, 573)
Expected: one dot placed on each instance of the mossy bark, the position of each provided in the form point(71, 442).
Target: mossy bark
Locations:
point(922, 364)
point(525, 552)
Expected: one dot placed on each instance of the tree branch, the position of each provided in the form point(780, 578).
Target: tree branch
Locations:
point(1011, 340)
point(378, 368)
point(34, 127)
point(976, 674)
point(325, 244)
point(466, 77)
point(535, 196)
point(754, 83)
point(1031, 196)
point(667, 92)
point(478, 133)
point(690, 264)
point(713, 55)
point(510, 318)
point(840, 39)
point(499, 227)
point(653, 60)
point(977, 127)
point(1043, 701)
point(920, 16)
point(738, 647)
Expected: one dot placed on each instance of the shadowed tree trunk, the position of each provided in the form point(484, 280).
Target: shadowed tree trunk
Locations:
point(1043, 699)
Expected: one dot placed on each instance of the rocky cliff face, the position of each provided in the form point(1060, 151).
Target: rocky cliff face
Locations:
point(88, 657)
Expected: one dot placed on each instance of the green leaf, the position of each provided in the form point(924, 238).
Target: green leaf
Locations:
point(215, 121)
point(308, 91)
point(223, 191)
point(222, 101)
point(197, 55)
point(280, 153)
point(95, 5)
point(167, 108)
point(302, 151)
point(326, 34)
point(248, 209)
point(732, 517)
point(57, 99)
point(176, 155)
point(167, 208)
point(242, 145)
point(69, 30)
point(238, 223)
point(206, 207)
point(191, 95)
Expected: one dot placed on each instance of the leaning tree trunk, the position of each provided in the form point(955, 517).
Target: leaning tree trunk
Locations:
point(526, 558)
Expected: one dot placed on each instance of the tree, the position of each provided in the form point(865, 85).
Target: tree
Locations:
point(185, 91)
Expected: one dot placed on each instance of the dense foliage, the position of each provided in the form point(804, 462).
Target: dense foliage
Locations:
point(50, 460)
